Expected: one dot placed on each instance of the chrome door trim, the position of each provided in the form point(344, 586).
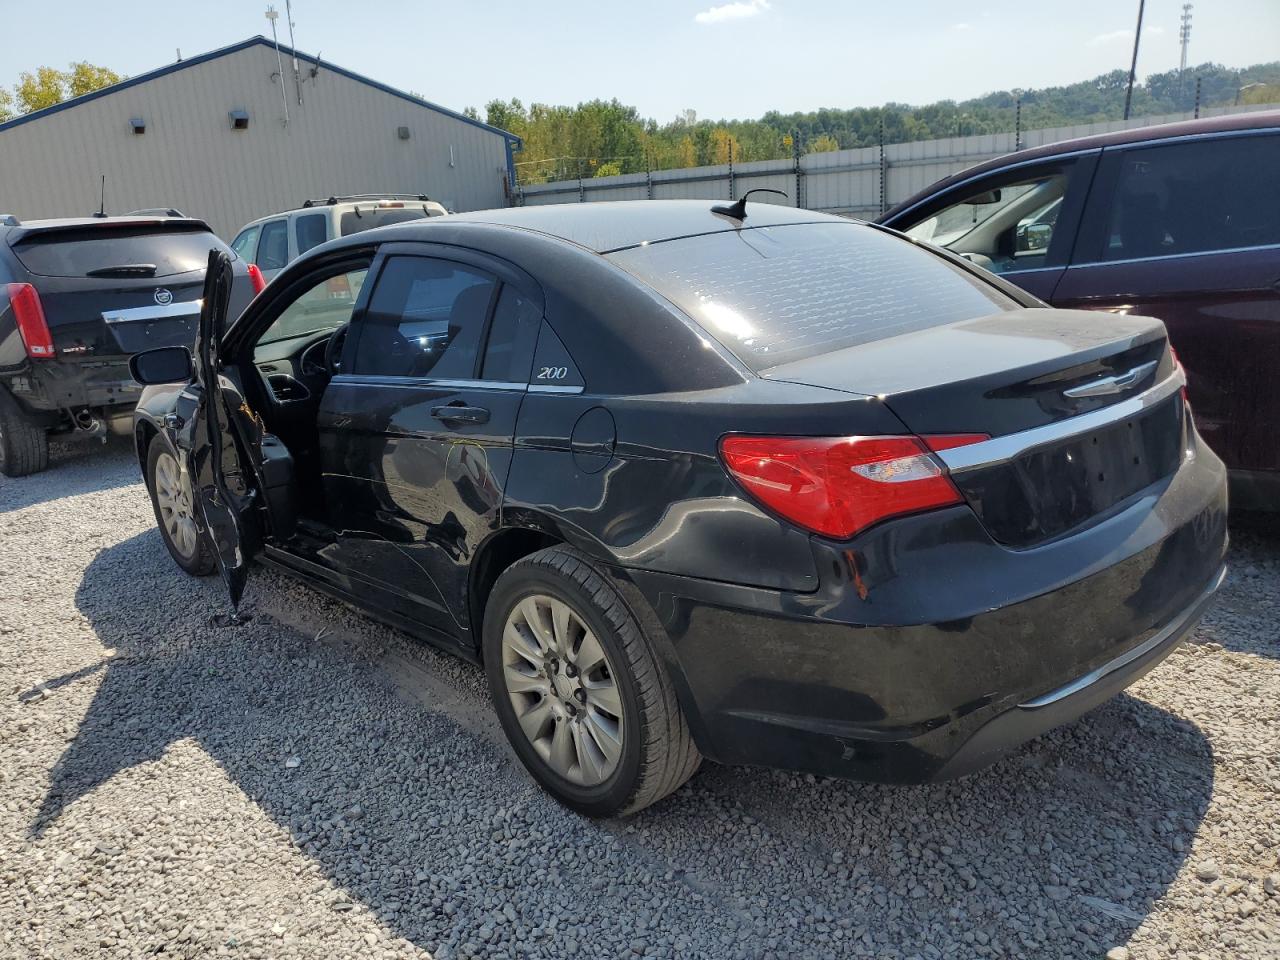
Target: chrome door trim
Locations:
point(1014, 445)
point(1083, 264)
point(371, 380)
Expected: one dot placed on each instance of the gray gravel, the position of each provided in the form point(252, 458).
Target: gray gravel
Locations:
point(313, 785)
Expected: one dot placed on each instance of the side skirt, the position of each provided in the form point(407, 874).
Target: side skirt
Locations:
point(321, 578)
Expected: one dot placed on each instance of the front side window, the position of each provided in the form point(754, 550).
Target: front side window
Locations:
point(310, 230)
point(1002, 227)
point(1195, 197)
point(425, 318)
point(772, 295)
point(246, 242)
point(325, 305)
point(273, 250)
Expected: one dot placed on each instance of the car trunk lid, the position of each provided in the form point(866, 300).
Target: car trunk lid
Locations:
point(113, 287)
point(86, 319)
point(1064, 392)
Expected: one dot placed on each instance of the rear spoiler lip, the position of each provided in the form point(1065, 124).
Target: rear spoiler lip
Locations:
point(30, 231)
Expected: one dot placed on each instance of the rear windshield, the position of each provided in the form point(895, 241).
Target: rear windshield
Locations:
point(773, 295)
point(366, 218)
point(77, 253)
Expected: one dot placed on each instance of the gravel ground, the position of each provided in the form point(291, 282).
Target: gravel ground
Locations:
point(311, 784)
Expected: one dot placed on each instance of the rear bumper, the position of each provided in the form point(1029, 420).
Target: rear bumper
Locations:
point(1072, 700)
point(49, 386)
point(928, 649)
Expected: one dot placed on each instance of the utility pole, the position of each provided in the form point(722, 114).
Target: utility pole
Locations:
point(1184, 37)
point(1133, 65)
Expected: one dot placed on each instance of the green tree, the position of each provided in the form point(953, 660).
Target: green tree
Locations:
point(610, 169)
point(6, 104)
point(85, 77)
point(41, 89)
point(49, 85)
point(824, 143)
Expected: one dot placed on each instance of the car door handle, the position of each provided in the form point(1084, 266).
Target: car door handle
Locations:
point(452, 414)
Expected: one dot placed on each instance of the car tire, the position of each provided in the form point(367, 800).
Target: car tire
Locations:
point(24, 447)
point(174, 506)
point(657, 753)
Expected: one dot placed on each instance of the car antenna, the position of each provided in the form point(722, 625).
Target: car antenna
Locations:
point(738, 211)
point(102, 199)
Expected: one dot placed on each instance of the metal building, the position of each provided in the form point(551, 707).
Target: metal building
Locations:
point(239, 133)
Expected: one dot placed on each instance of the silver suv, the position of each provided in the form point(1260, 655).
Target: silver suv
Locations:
point(272, 242)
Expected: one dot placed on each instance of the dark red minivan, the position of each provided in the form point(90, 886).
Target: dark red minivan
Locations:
point(1179, 221)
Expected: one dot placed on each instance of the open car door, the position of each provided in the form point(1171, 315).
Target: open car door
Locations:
point(225, 436)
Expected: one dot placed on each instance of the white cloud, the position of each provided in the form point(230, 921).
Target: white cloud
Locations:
point(738, 10)
point(1103, 39)
point(961, 26)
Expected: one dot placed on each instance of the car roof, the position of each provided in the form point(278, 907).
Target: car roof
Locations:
point(1256, 120)
point(339, 204)
point(617, 224)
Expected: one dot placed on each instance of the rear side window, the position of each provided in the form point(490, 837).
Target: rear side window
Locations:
point(508, 352)
point(310, 230)
point(273, 249)
point(366, 218)
point(773, 295)
point(1195, 197)
point(246, 241)
point(81, 253)
point(425, 319)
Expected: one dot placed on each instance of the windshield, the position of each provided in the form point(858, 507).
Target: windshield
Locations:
point(325, 306)
point(79, 253)
point(777, 294)
point(954, 222)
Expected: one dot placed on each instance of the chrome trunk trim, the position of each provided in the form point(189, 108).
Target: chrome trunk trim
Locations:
point(1014, 445)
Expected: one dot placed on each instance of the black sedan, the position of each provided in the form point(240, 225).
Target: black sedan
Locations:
point(742, 482)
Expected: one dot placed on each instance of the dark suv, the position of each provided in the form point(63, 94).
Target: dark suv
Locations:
point(77, 298)
point(1179, 221)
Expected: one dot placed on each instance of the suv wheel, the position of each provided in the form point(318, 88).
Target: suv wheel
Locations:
point(174, 505)
point(588, 708)
point(24, 447)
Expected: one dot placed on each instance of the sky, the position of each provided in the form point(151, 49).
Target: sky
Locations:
point(721, 58)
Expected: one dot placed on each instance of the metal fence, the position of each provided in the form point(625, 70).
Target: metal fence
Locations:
point(861, 183)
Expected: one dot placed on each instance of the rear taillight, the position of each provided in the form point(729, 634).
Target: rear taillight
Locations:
point(27, 310)
point(838, 486)
point(256, 278)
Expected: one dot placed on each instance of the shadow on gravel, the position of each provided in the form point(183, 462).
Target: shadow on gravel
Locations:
point(1059, 851)
point(74, 469)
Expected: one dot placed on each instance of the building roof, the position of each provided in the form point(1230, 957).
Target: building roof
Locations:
point(236, 48)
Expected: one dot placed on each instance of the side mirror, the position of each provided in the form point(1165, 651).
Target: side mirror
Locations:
point(1034, 237)
point(161, 365)
point(981, 199)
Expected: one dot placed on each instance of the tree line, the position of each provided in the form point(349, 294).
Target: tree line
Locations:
point(602, 138)
point(49, 85)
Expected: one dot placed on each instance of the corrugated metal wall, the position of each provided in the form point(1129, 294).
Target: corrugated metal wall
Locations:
point(842, 181)
point(342, 139)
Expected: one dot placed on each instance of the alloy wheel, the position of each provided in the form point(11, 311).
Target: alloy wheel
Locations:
point(173, 496)
point(563, 689)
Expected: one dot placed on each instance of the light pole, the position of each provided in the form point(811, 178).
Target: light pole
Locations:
point(1133, 65)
